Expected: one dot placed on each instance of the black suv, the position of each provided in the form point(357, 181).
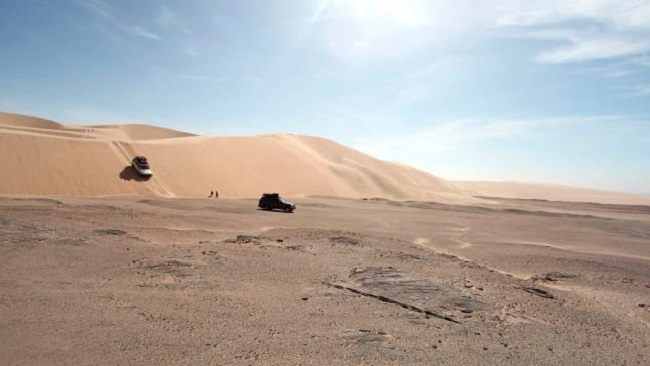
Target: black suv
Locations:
point(270, 201)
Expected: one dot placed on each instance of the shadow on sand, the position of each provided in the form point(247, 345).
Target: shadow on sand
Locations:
point(128, 173)
point(276, 211)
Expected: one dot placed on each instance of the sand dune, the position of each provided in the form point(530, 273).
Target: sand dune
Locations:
point(38, 126)
point(550, 192)
point(48, 158)
point(43, 157)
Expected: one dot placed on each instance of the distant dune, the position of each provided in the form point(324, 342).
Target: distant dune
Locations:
point(550, 192)
point(41, 157)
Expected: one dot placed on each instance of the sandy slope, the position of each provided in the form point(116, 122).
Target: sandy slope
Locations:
point(39, 126)
point(48, 158)
point(551, 192)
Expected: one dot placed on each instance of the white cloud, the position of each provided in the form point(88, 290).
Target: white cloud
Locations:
point(619, 69)
point(166, 16)
point(139, 31)
point(111, 33)
point(592, 30)
point(464, 134)
point(192, 51)
point(364, 29)
point(595, 48)
point(640, 91)
point(624, 15)
point(97, 7)
point(103, 11)
point(160, 73)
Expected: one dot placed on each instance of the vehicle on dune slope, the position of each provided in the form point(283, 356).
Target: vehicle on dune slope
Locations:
point(141, 166)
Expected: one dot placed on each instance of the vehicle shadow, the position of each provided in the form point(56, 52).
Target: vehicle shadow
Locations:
point(276, 211)
point(128, 173)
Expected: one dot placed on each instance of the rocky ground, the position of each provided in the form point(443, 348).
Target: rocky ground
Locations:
point(216, 281)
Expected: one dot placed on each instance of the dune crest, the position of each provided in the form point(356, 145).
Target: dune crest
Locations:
point(42, 157)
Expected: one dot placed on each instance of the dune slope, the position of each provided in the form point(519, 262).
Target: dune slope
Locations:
point(47, 158)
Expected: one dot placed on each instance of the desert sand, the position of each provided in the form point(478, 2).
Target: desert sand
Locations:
point(380, 263)
point(132, 280)
point(549, 192)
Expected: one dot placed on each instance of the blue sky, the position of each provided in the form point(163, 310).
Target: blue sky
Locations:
point(544, 91)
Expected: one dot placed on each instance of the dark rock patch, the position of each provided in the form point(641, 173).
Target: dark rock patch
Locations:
point(419, 295)
point(244, 239)
point(178, 267)
point(346, 240)
point(401, 256)
point(451, 257)
point(296, 248)
point(539, 292)
point(553, 276)
point(211, 253)
point(115, 232)
point(70, 241)
point(363, 335)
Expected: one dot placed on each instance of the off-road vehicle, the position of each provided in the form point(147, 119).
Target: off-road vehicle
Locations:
point(271, 201)
point(141, 165)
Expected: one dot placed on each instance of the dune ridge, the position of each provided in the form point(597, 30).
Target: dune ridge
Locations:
point(43, 157)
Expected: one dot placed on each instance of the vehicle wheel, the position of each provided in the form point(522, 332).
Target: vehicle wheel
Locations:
point(287, 209)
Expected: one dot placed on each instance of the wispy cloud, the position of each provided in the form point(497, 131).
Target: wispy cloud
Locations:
point(139, 31)
point(622, 15)
point(105, 14)
point(112, 33)
point(192, 51)
point(594, 47)
point(619, 69)
point(462, 134)
point(166, 16)
point(366, 29)
point(591, 30)
point(158, 72)
point(97, 7)
point(639, 91)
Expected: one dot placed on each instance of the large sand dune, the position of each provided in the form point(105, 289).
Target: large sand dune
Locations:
point(43, 157)
point(48, 158)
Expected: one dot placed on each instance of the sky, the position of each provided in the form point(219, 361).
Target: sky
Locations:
point(554, 91)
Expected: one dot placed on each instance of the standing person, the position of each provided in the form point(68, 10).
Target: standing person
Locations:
point(216, 194)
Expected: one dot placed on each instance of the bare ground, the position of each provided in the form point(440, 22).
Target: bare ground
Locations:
point(197, 281)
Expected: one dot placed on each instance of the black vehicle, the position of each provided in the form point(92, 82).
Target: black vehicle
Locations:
point(271, 201)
